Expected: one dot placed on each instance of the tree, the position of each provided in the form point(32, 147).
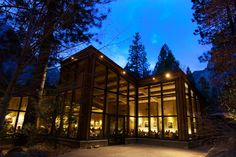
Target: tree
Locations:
point(137, 61)
point(44, 27)
point(190, 75)
point(216, 20)
point(9, 50)
point(166, 61)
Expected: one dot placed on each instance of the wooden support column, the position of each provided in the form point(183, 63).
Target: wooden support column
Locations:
point(86, 98)
point(181, 108)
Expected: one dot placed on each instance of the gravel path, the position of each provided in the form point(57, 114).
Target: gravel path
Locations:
point(135, 150)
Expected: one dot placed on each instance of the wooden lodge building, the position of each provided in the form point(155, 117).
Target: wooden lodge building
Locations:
point(101, 103)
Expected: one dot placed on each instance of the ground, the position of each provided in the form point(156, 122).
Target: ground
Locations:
point(136, 150)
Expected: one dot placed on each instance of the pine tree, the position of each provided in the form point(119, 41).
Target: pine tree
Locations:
point(166, 61)
point(190, 75)
point(137, 61)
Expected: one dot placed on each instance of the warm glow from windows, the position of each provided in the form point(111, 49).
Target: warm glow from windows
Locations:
point(153, 78)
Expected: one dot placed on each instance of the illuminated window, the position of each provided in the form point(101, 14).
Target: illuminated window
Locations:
point(155, 106)
point(16, 113)
point(169, 106)
point(143, 126)
point(111, 103)
point(98, 100)
point(100, 76)
point(170, 127)
point(143, 107)
point(96, 129)
point(131, 126)
point(156, 127)
point(123, 107)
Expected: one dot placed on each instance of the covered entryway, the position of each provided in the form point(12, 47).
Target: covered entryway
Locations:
point(116, 129)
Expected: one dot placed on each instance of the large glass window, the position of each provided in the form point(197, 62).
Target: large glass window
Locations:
point(111, 103)
point(143, 107)
point(143, 126)
point(74, 114)
point(156, 127)
point(100, 76)
point(16, 112)
point(155, 90)
point(155, 106)
point(170, 127)
point(123, 106)
point(191, 105)
point(131, 126)
point(132, 107)
point(98, 100)
point(123, 84)
point(112, 81)
point(96, 130)
point(169, 105)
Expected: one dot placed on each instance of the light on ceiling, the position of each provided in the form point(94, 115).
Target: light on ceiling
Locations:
point(167, 75)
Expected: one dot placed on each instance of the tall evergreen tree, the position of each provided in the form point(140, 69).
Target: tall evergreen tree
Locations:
point(137, 61)
point(166, 61)
point(190, 75)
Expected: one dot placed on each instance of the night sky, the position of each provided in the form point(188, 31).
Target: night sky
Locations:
point(159, 22)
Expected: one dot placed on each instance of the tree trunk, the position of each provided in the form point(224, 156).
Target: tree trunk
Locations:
point(37, 88)
point(39, 77)
point(7, 95)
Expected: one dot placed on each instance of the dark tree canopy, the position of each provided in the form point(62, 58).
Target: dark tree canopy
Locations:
point(69, 21)
point(137, 62)
point(190, 75)
point(44, 27)
point(216, 20)
point(166, 61)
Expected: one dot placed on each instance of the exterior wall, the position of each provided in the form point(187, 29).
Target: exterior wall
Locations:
point(98, 100)
point(96, 116)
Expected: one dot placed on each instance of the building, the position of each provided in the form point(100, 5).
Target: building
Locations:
point(101, 103)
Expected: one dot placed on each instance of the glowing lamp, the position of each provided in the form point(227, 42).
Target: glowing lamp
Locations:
point(153, 78)
point(124, 72)
point(167, 75)
point(101, 56)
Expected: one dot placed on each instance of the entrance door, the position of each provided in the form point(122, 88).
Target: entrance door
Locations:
point(116, 130)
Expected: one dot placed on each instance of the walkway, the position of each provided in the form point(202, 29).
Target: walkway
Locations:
point(135, 150)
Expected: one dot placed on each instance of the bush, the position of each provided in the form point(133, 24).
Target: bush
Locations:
point(16, 152)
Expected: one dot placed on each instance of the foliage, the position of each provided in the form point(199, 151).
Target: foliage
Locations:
point(228, 97)
point(166, 61)
point(215, 19)
point(44, 27)
point(137, 62)
point(49, 109)
point(190, 75)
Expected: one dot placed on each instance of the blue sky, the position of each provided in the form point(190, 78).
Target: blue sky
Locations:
point(158, 22)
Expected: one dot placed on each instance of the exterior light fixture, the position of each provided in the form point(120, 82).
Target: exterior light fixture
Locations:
point(153, 78)
point(167, 75)
point(101, 56)
point(72, 58)
point(124, 72)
